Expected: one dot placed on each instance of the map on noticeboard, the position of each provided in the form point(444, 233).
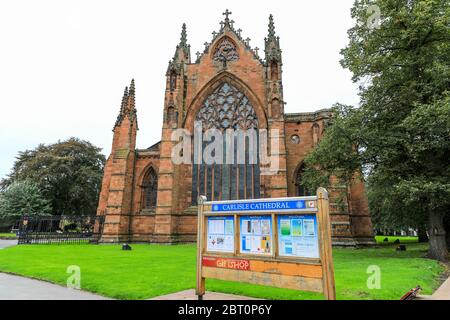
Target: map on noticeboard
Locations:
point(298, 236)
point(256, 234)
point(220, 234)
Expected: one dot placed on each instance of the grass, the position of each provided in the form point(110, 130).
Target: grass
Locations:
point(391, 239)
point(8, 235)
point(152, 270)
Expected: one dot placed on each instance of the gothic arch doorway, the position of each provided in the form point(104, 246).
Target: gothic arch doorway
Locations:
point(149, 190)
point(228, 110)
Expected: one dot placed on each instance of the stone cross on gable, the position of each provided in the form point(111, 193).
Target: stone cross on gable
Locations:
point(247, 41)
point(226, 14)
point(231, 23)
point(239, 32)
point(256, 51)
point(214, 34)
point(221, 25)
point(198, 54)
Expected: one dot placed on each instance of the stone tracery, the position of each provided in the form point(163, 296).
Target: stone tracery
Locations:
point(227, 108)
point(226, 51)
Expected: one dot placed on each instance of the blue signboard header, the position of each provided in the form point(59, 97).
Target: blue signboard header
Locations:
point(259, 206)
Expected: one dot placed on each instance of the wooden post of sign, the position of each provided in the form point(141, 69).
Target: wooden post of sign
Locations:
point(323, 216)
point(200, 287)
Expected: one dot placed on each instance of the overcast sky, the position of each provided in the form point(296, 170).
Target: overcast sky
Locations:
point(64, 64)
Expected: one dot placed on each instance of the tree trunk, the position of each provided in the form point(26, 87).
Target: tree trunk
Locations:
point(447, 229)
point(422, 234)
point(436, 231)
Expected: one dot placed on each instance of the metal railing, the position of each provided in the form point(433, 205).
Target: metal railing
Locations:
point(60, 229)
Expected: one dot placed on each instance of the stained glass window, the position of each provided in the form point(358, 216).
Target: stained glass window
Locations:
point(149, 190)
point(227, 108)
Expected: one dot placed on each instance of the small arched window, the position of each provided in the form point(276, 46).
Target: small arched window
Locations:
point(316, 133)
point(301, 190)
point(276, 112)
point(149, 190)
point(171, 115)
point(274, 70)
point(173, 80)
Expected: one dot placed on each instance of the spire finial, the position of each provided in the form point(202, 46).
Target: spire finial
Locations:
point(124, 100)
point(132, 88)
point(183, 39)
point(131, 93)
point(271, 27)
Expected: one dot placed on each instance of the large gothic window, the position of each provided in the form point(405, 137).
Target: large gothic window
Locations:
point(149, 190)
point(228, 110)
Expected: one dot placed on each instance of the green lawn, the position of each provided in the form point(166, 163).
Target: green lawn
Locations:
point(152, 270)
point(391, 239)
point(8, 235)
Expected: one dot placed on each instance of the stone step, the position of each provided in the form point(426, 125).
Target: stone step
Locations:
point(191, 210)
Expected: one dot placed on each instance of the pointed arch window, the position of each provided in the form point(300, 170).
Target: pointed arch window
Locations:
point(301, 190)
point(171, 115)
point(149, 190)
point(228, 110)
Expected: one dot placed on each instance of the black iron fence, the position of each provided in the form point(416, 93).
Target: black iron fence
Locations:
point(60, 229)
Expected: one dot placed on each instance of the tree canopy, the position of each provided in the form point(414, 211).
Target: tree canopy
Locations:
point(69, 174)
point(399, 135)
point(23, 198)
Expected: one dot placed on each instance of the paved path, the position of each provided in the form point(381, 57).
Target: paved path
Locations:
point(20, 288)
point(190, 295)
point(442, 293)
point(7, 243)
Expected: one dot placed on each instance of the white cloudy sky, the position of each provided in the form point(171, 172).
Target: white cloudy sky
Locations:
point(64, 64)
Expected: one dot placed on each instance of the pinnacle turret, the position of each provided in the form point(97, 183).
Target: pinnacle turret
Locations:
point(272, 43)
point(183, 50)
point(127, 107)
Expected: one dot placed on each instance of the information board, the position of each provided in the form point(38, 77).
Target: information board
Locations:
point(298, 236)
point(256, 234)
point(220, 234)
point(281, 242)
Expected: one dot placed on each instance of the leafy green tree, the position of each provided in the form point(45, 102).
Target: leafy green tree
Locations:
point(69, 173)
point(23, 198)
point(399, 135)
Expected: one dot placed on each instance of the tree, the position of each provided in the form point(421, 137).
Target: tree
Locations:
point(399, 135)
point(69, 174)
point(22, 198)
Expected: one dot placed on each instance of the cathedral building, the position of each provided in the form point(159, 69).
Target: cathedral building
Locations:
point(147, 197)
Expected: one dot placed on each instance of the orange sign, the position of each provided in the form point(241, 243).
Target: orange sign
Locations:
point(226, 263)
